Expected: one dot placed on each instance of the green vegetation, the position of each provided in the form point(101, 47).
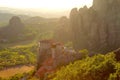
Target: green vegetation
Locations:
point(98, 67)
point(17, 56)
point(25, 76)
point(18, 47)
point(32, 29)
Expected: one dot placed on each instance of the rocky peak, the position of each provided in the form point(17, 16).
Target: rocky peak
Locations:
point(105, 7)
point(98, 27)
point(15, 21)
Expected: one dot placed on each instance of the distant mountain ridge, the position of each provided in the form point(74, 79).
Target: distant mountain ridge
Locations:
point(34, 12)
point(4, 17)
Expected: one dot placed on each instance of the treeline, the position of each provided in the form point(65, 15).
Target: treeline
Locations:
point(17, 56)
point(98, 67)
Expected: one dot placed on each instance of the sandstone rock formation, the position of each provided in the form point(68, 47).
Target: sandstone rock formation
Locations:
point(13, 30)
point(97, 28)
point(15, 22)
point(62, 32)
point(53, 55)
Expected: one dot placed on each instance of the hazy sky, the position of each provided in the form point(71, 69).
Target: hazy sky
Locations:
point(45, 4)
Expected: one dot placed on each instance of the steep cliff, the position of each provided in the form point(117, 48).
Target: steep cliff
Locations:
point(62, 32)
point(97, 28)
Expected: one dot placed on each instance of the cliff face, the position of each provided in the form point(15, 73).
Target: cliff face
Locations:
point(62, 32)
point(97, 28)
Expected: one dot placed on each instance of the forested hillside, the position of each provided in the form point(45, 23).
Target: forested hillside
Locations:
point(98, 67)
point(10, 57)
point(18, 43)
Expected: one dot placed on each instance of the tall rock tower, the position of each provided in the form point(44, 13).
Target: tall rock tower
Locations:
point(97, 28)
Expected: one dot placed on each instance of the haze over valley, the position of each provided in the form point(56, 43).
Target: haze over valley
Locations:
point(59, 40)
point(41, 8)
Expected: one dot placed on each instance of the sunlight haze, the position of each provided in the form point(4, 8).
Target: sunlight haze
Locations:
point(45, 4)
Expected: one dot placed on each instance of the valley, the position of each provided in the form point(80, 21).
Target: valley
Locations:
point(81, 45)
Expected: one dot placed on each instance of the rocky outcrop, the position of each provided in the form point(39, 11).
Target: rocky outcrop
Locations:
point(97, 28)
point(13, 30)
point(52, 55)
point(15, 22)
point(62, 32)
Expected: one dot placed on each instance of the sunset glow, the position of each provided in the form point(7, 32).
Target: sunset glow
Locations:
point(45, 4)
